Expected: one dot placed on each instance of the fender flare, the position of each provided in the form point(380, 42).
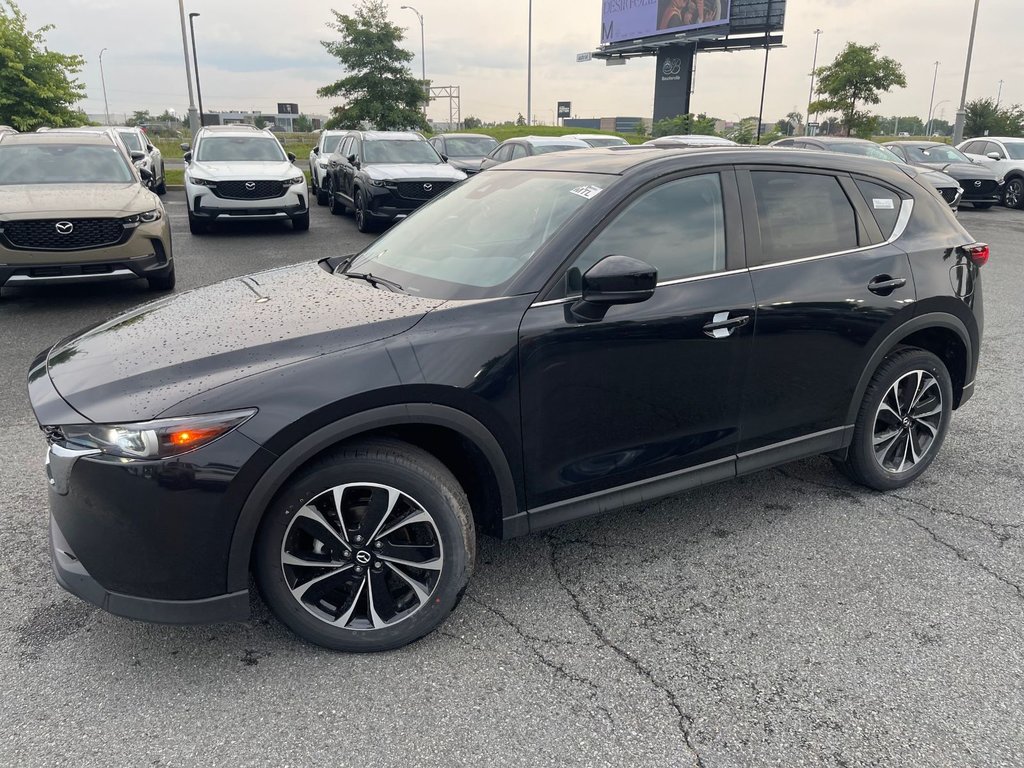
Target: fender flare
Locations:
point(390, 415)
point(919, 323)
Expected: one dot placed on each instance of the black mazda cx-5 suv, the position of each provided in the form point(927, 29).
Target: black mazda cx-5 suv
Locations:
point(560, 336)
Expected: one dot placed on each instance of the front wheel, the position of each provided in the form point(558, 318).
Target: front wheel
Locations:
point(334, 205)
point(161, 188)
point(164, 282)
point(300, 223)
point(364, 223)
point(368, 549)
point(1013, 195)
point(195, 225)
point(902, 422)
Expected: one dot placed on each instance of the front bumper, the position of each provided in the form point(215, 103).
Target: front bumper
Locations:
point(989, 194)
point(204, 204)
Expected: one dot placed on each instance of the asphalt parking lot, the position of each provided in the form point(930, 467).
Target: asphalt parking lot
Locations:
point(785, 619)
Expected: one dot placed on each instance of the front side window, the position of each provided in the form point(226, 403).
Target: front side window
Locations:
point(63, 164)
point(802, 214)
point(331, 144)
point(938, 153)
point(678, 228)
point(399, 151)
point(518, 151)
point(131, 140)
point(221, 149)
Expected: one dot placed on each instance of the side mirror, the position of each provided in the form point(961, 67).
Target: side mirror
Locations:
point(994, 156)
point(136, 156)
point(316, 150)
point(291, 157)
point(150, 148)
point(145, 174)
point(614, 280)
point(187, 157)
point(185, 147)
point(444, 158)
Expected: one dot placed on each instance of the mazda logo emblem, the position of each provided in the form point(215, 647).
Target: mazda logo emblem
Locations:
point(65, 227)
point(250, 185)
point(362, 557)
point(427, 187)
point(977, 183)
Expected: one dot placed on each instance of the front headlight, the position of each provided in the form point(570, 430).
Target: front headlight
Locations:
point(294, 180)
point(142, 218)
point(156, 439)
point(377, 182)
point(202, 182)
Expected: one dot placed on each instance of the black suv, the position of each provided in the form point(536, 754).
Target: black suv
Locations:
point(983, 186)
point(382, 175)
point(557, 337)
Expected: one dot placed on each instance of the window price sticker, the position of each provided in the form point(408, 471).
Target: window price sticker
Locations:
point(588, 192)
point(883, 204)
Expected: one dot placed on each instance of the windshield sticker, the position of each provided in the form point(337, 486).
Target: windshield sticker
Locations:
point(883, 204)
point(588, 192)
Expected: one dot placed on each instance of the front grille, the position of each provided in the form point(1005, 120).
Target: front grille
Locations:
point(421, 190)
point(57, 235)
point(249, 190)
point(987, 187)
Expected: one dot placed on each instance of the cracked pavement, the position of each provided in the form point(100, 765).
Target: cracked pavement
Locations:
point(785, 619)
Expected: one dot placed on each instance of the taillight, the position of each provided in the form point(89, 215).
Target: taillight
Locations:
point(978, 253)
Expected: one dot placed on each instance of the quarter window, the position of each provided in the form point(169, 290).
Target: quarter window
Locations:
point(884, 204)
point(802, 214)
point(518, 151)
point(678, 227)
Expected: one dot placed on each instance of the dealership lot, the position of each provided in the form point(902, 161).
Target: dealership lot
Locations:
point(789, 618)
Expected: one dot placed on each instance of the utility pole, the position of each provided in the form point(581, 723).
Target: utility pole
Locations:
point(529, 65)
point(931, 101)
point(102, 79)
point(195, 60)
point(423, 55)
point(810, 96)
point(961, 113)
point(999, 95)
point(764, 77)
point(193, 115)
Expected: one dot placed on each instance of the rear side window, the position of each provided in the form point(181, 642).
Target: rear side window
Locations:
point(884, 204)
point(802, 214)
point(518, 151)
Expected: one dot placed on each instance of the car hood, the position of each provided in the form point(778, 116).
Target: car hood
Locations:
point(137, 365)
point(937, 179)
point(35, 201)
point(466, 163)
point(416, 171)
point(243, 170)
point(963, 170)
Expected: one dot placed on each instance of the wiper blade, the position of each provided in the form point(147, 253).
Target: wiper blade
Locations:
point(374, 280)
point(339, 263)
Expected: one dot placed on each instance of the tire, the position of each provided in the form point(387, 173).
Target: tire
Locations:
point(915, 376)
point(301, 524)
point(300, 223)
point(161, 188)
point(982, 206)
point(195, 226)
point(336, 207)
point(164, 282)
point(364, 222)
point(1013, 194)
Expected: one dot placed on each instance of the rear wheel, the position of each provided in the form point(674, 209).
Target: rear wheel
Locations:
point(367, 549)
point(164, 282)
point(902, 422)
point(364, 222)
point(1013, 195)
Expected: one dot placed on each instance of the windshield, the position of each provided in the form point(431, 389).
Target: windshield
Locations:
point(543, 149)
point(63, 164)
point(865, 150)
point(213, 149)
point(331, 143)
point(131, 140)
point(938, 153)
point(471, 242)
point(476, 146)
point(1015, 150)
point(610, 141)
point(399, 151)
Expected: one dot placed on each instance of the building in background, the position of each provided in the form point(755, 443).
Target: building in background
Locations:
point(616, 124)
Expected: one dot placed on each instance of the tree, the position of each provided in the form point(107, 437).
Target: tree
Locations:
point(37, 85)
point(684, 124)
point(472, 122)
point(139, 117)
point(260, 121)
point(985, 118)
point(520, 120)
point(379, 89)
point(302, 124)
point(857, 76)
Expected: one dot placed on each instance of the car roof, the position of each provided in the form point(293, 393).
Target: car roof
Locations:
point(391, 135)
point(585, 136)
point(541, 140)
point(1004, 139)
point(917, 143)
point(232, 131)
point(465, 136)
point(834, 139)
point(59, 136)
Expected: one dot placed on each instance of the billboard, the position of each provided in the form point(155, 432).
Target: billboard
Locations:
point(636, 19)
point(565, 109)
point(285, 108)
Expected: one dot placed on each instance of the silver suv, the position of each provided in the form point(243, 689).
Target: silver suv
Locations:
point(238, 173)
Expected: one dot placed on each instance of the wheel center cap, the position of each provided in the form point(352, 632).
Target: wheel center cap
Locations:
point(906, 422)
point(363, 557)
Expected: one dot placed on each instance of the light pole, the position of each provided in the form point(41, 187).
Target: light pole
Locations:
point(423, 55)
point(529, 64)
point(961, 113)
point(931, 101)
point(103, 80)
point(810, 96)
point(193, 116)
point(931, 117)
point(999, 95)
point(195, 61)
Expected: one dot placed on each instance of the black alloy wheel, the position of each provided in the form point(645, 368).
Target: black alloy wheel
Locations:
point(363, 221)
point(334, 205)
point(368, 549)
point(1013, 194)
point(902, 422)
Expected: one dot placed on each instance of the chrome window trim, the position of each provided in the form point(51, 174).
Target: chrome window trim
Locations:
point(677, 281)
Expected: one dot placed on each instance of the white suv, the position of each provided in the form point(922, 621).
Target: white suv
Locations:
point(236, 172)
point(318, 162)
point(1005, 156)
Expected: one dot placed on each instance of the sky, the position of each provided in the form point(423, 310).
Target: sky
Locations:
point(255, 53)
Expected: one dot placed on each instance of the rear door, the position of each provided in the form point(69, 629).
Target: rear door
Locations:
point(828, 287)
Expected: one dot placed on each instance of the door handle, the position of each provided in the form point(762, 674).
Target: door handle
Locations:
point(722, 326)
point(883, 285)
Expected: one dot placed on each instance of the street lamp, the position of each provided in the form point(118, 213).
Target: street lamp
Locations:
point(193, 117)
point(961, 113)
point(103, 80)
point(928, 130)
point(423, 55)
point(195, 60)
point(529, 65)
point(810, 96)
